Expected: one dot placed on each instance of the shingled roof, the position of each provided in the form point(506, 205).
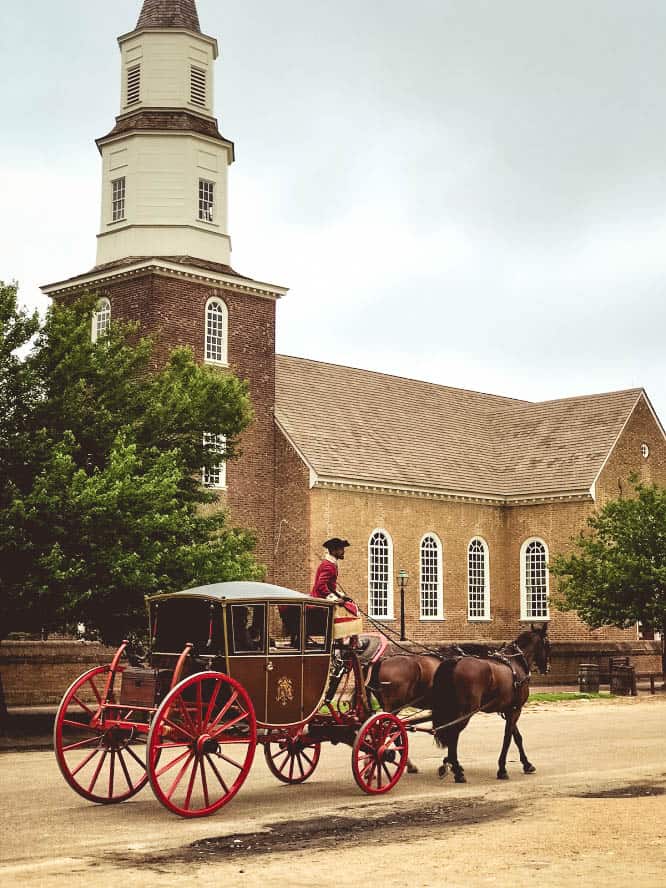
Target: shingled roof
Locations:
point(169, 14)
point(357, 425)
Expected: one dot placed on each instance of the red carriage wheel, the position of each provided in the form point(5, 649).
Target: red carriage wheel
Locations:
point(201, 744)
point(104, 765)
point(292, 759)
point(379, 753)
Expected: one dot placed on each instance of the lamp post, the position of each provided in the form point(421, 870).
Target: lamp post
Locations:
point(403, 577)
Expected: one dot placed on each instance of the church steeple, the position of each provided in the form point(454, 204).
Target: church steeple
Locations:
point(164, 188)
point(169, 14)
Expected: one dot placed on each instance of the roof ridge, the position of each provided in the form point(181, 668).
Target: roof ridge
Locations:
point(435, 385)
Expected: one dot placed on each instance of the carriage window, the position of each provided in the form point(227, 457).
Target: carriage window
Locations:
point(317, 620)
point(534, 580)
point(478, 586)
point(247, 628)
point(176, 622)
point(284, 628)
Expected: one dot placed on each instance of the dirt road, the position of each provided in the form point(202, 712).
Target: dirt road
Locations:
point(594, 814)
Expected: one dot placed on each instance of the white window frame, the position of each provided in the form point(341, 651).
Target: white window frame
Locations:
point(486, 618)
point(216, 346)
point(390, 613)
point(207, 201)
point(101, 319)
point(215, 478)
point(524, 613)
point(439, 615)
point(118, 199)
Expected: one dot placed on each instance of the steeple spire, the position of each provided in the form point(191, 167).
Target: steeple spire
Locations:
point(169, 14)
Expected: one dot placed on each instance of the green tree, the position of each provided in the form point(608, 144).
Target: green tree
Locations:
point(616, 575)
point(103, 502)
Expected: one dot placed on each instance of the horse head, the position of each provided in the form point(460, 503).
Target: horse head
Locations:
point(541, 648)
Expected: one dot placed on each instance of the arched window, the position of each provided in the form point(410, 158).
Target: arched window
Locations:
point(380, 576)
point(217, 324)
point(431, 578)
point(534, 580)
point(478, 580)
point(101, 319)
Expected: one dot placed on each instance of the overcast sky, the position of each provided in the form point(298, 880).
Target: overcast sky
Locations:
point(467, 191)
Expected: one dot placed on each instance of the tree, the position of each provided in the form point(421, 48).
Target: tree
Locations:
point(616, 575)
point(101, 498)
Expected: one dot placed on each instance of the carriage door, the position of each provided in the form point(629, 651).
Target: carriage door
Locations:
point(246, 644)
point(284, 669)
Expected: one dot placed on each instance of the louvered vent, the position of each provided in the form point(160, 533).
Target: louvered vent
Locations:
point(134, 84)
point(198, 87)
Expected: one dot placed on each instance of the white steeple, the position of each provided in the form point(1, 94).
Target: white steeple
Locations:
point(164, 180)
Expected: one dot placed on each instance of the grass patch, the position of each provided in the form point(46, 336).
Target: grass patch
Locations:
point(565, 695)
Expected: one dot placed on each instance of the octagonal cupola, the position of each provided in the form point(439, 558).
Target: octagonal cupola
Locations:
point(164, 189)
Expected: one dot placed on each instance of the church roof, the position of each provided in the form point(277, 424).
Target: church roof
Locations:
point(169, 14)
point(357, 425)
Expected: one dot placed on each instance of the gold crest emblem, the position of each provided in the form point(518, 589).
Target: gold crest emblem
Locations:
point(285, 691)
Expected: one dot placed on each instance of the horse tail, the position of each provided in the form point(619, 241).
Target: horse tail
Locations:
point(444, 700)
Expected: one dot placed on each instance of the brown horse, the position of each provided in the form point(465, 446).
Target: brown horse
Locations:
point(467, 685)
point(402, 680)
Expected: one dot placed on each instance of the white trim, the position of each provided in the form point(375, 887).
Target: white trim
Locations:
point(221, 468)
point(431, 535)
point(593, 486)
point(224, 362)
point(94, 327)
point(487, 617)
point(282, 426)
point(167, 269)
point(390, 614)
point(524, 616)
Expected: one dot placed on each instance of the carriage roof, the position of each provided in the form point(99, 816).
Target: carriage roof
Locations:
point(240, 591)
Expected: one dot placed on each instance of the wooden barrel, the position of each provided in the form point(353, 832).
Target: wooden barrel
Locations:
point(588, 678)
point(623, 681)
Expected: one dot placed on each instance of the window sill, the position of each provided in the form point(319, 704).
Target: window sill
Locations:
point(382, 619)
point(117, 221)
point(479, 619)
point(441, 619)
point(212, 224)
point(535, 619)
point(210, 363)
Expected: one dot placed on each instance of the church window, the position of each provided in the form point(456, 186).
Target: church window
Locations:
point(198, 86)
point(380, 576)
point(206, 200)
point(101, 319)
point(534, 580)
point(118, 200)
point(215, 476)
point(134, 84)
point(217, 323)
point(431, 578)
point(478, 584)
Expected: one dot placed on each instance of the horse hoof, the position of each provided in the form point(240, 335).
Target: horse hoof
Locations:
point(412, 769)
point(502, 775)
point(442, 771)
point(460, 778)
point(529, 768)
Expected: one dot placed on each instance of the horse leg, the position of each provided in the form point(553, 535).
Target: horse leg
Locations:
point(528, 767)
point(502, 773)
point(451, 759)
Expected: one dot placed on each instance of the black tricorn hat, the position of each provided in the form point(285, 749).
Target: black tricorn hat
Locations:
point(336, 543)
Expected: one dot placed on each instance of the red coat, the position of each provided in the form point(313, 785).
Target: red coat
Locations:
point(326, 583)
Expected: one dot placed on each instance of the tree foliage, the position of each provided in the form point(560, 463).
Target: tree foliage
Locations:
point(100, 475)
point(616, 574)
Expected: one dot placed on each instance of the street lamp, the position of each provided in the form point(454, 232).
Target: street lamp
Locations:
point(403, 578)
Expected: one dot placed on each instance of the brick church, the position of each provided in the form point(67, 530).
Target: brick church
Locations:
point(469, 494)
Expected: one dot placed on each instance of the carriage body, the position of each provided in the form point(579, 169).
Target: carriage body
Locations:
point(230, 666)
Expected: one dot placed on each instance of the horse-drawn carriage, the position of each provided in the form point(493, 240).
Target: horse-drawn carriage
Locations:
point(230, 666)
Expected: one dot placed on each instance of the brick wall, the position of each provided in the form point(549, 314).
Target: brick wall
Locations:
point(292, 518)
point(39, 672)
point(175, 309)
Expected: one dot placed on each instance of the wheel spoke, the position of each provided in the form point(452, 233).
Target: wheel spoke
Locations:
point(300, 764)
point(227, 706)
point(217, 774)
point(180, 775)
point(213, 700)
point(80, 744)
point(112, 771)
point(230, 724)
point(188, 718)
point(230, 761)
point(80, 726)
point(204, 783)
point(173, 763)
point(96, 692)
point(125, 771)
point(83, 706)
point(190, 785)
point(136, 758)
point(97, 770)
point(179, 728)
point(85, 761)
